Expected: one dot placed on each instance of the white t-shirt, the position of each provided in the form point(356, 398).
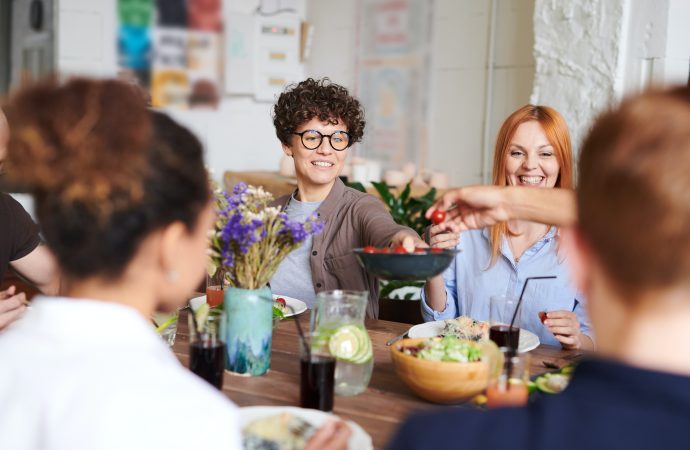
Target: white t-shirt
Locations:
point(92, 375)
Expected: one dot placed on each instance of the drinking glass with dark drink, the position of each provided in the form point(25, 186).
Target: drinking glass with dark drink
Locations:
point(317, 372)
point(207, 348)
point(509, 388)
point(501, 311)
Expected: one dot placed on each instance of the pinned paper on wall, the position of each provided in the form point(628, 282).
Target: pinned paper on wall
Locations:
point(276, 55)
point(239, 54)
point(178, 57)
point(134, 47)
point(170, 82)
point(394, 79)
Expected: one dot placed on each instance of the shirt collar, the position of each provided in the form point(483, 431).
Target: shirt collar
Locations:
point(329, 204)
point(505, 248)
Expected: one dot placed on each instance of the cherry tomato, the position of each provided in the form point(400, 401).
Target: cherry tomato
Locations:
point(438, 216)
point(420, 250)
point(542, 316)
point(280, 300)
point(399, 249)
point(384, 250)
point(436, 250)
point(370, 249)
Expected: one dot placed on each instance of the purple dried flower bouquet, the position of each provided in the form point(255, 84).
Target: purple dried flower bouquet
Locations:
point(251, 238)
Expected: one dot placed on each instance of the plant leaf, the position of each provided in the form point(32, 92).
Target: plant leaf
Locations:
point(357, 185)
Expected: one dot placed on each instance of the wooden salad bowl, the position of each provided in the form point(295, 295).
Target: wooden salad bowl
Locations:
point(439, 381)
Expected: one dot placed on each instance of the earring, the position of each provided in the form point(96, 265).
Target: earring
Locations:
point(172, 276)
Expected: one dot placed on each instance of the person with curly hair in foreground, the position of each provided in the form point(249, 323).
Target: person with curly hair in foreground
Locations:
point(123, 197)
point(317, 121)
point(626, 233)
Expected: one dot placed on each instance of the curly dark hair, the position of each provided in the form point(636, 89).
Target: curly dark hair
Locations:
point(321, 98)
point(105, 172)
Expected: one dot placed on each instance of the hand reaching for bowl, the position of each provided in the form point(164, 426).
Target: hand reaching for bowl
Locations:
point(407, 240)
point(472, 207)
point(476, 207)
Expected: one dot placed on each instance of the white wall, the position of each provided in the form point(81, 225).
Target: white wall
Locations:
point(590, 54)
point(460, 58)
point(240, 135)
point(464, 95)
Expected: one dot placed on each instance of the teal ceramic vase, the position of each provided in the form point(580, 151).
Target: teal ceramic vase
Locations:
point(249, 327)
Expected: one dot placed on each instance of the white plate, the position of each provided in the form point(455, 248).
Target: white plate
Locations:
point(359, 440)
point(298, 305)
point(528, 340)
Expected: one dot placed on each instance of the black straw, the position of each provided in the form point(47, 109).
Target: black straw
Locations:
point(517, 308)
point(512, 351)
point(307, 350)
point(191, 311)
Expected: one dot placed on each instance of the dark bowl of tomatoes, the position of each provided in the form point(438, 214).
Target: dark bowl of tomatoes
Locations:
point(397, 264)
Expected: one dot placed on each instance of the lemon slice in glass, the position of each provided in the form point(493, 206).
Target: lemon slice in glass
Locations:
point(350, 343)
point(200, 315)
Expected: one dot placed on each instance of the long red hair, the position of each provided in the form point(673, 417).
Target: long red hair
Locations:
point(556, 131)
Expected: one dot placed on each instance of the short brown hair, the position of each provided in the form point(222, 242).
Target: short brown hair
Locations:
point(634, 190)
point(317, 98)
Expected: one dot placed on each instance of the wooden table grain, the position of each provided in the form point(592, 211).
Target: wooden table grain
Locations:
point(379, 410)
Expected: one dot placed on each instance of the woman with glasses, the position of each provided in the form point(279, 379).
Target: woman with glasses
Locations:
point(317, 122)
point(532, 150)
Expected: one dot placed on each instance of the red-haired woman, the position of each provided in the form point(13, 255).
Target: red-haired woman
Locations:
point(532, 149)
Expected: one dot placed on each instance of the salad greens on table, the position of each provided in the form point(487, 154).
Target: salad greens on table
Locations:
point(448, 348)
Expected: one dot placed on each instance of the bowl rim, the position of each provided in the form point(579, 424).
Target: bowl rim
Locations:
point(445, 251)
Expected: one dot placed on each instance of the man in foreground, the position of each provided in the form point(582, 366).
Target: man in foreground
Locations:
point(628, 248)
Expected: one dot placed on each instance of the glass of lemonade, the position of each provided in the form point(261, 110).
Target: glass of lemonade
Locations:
point(338, 317)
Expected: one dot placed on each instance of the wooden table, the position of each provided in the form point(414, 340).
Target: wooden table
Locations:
point(379, 410)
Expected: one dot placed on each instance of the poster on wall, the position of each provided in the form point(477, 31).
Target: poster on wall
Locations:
point(134, 47)
point(393, 60)
point(172, 48)
point(262, 47)
point(276, 54)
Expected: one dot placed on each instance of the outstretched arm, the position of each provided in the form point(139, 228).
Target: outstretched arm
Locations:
point(481, 206)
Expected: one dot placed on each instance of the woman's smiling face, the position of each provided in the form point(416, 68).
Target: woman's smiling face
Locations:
point(322, 165)
point(530, 159)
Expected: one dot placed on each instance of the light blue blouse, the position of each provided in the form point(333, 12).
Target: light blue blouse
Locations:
point(470, 282)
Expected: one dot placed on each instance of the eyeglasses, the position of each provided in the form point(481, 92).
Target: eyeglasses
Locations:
point(311, 139)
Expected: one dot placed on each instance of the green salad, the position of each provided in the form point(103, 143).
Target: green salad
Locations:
point(448, 348)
